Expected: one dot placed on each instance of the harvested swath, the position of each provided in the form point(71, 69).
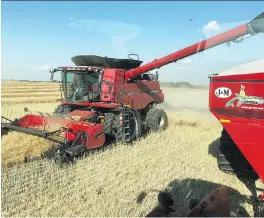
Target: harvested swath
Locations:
point(175, 160)
point(54, 90)
point(21, 105)
point(30, 94)
point(27, 87)
point(16, 146)
point(30, 100)
point(27, 82)
point(32, 83)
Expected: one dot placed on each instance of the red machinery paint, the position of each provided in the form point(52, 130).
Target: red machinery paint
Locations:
point(244, 117)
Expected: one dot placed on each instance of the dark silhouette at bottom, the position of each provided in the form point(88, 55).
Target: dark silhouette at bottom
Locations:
point(185, 194)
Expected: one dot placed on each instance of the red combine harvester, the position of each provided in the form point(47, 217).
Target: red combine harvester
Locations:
point(118, 98)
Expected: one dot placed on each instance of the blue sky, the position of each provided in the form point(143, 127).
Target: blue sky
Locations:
point(39, 35)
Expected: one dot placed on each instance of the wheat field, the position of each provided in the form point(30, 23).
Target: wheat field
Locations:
point(122, 179)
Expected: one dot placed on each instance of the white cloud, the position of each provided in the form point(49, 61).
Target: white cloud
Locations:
point(43, 67)
point(211, 26)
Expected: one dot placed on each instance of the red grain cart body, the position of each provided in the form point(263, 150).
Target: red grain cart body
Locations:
point(237, 101)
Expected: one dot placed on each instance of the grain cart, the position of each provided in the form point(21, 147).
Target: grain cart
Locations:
point(111, 97)
point(237, 101)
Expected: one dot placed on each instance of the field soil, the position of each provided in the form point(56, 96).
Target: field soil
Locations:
point(119, 180)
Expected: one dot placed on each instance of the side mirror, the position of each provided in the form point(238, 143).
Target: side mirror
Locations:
point(157, 75)
point(100, 77)
point(51, 75)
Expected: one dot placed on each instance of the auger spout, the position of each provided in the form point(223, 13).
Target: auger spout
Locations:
point(255, 26)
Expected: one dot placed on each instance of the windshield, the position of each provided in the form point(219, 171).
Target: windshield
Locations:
point(81, 86)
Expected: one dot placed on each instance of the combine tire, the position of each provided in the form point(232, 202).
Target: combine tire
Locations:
point(109, 120)
point(156, 119)
point(64, 109)
point(134, 126)
point(231, 159)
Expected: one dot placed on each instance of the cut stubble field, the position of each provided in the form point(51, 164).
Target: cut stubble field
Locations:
point(120, 180)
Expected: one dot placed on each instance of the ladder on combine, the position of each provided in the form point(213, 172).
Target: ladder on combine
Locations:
point(127, 133)
point(124, 132)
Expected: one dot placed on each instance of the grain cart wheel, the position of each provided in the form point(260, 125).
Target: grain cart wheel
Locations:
point(156, 119)
point(231, 159)
point(131, 129)
point(64, 109)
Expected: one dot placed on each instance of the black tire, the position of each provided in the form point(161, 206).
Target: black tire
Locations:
point(64, 109)
point(62, 159)
point(135, 125)
point(108, 124)
point(156, 119)
point(4, 131)
point(231, 159)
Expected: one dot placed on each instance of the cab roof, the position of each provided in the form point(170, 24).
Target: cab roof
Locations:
point(105, 62)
